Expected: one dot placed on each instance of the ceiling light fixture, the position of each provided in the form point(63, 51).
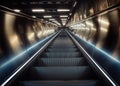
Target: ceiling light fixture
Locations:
point(16, 10)
point(63, 16)
point(38, 10)
point(63, 10)
point(70, 14)
point(34, 16)
point(47, 16)
point(63, 23)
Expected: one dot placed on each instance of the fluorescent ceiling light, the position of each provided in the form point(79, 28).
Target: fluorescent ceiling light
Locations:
point(63, 23)
point(70, 14)
point(38, 10)
point(16, 10)
point(63, 10)
point(63, 16)
point(34, 16)
point(48, 16)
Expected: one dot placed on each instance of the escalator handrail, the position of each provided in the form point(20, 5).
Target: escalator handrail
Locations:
point(29, 60)
point(102, 71)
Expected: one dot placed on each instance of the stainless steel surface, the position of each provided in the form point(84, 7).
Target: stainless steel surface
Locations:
point(19, 32)
point(93, 62)
point(103, 31)
point(22, 67)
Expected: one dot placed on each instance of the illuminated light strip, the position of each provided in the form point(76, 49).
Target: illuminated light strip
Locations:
point(63, 10)
point(22, 53)
point(19, 69)
point(38, 10)
point(17, 10)
point(63, 16)
point(34, 16)
point(101, 51)
point(47, 16)
point(70, 14)
point(110, 80)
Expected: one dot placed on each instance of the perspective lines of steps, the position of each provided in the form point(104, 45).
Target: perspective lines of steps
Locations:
point(61, 64)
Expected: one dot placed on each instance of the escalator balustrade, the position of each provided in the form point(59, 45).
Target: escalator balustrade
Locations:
point(61, 64)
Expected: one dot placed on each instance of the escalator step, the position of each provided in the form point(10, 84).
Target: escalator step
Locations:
point(62, 73)
point(62, 62)
point(61, 83)
point(62, 46)
point(64, 41)
point(59, 50)
point(61, 54)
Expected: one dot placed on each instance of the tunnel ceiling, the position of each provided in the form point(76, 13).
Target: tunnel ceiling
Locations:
point(56, 11)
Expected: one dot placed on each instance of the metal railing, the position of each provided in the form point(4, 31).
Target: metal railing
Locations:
point(28, 62)
point(104, 74)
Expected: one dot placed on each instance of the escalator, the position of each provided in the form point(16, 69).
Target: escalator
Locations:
point(61, 64)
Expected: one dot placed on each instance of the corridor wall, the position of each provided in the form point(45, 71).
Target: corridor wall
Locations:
point(19, 31)
point(99, 24)
point(21, 36)
point(96, 26)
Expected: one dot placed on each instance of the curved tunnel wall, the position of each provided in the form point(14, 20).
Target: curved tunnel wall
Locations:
point(99, 26)
point(17, 32)
point(20, 37)
point(98, 31)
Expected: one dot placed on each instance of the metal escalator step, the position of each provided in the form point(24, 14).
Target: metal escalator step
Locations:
point(62, 73)
point(63, 42)
point(60, 50)
point(62, 62)
point(61, 54)
point(61, 83)
point(62, 46)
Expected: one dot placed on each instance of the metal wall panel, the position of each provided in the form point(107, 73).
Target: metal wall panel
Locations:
point(103, 30)
point(18, 32)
